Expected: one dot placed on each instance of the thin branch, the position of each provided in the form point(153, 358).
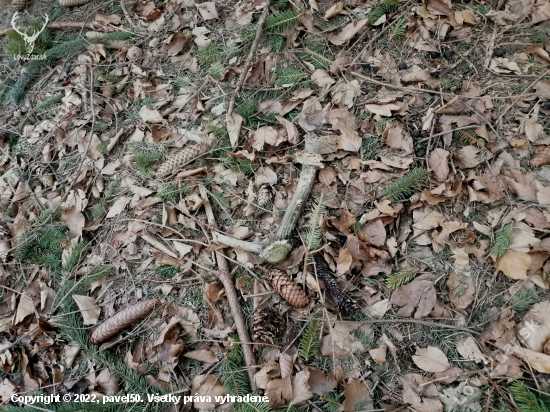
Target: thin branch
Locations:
point(249, 58)
point(231, 294)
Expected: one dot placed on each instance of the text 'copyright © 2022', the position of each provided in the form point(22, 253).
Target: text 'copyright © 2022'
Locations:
point(133, 398)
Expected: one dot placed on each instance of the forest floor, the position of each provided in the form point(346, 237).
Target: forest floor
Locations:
point(152, 153)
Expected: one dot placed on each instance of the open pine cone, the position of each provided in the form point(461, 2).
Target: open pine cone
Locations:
point(266, 325)
point(288, 289)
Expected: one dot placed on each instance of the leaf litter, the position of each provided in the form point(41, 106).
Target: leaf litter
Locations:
point(159, 150)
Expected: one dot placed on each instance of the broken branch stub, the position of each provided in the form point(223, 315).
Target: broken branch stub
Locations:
point(278, 247)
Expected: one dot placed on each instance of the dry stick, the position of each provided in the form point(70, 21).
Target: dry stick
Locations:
point(516, 100)
point(127, 15)
point(411, 89)
point(232, 298)
point(249, 58)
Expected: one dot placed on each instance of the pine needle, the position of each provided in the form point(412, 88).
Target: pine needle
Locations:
point(282, 21)
point(311, 341)
point(314, 233)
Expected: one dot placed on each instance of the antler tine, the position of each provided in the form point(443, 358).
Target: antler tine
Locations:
point(35, 35)
point(13, 23)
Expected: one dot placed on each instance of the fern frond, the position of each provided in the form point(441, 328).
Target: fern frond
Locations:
point(400, 278)
point(290, 76)
point(311, 341)
point(406, 185)
point(282, 21)
point(502, 241)
point(399, 29)
point(526, 400)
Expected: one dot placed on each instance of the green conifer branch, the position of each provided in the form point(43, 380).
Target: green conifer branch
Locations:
point(406, 185)
point(311, 341)
point(400, 278)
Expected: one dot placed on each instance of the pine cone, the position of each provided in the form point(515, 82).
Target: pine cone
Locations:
point(266, 326)
point(345, 304)
point(264, 195)
point(288, 289)
point(19, 5)
point(46, 179)
point(178, 159)
point(122, 319)
point(72, 3)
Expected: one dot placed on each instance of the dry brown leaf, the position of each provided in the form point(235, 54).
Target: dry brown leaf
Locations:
point(334, 10)
point(421, 393)
point(349, 140)
point(207, 10)
point(398, 139)
point(202, 355)
point(234, 123)
point(345, 92)
point(438, 7)
point(206, 388)
point(344, 261)
point(268, 372)
point(321, 78)
point(150, 115)
point(378, 354)
point(320, 383)
point(469, 349)
point(461, 289)
point(279, 392)
point(348, 32)
point(535, 326)
point(420, 294)
point(514, 264)
point(382, 109)
point(117, 207)
point(89, 309)
point(439, 163)
point(431, 359)
point(355, 393)
point(300, 387)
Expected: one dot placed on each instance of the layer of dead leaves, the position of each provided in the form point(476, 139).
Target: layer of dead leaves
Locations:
point(498, 177)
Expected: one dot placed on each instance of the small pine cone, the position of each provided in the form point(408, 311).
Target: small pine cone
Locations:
point(264, 195)
point(178, 159)
point(19, 5)
point(46, 179)
point(122, 319)
point(266, 326)
point(288, 289)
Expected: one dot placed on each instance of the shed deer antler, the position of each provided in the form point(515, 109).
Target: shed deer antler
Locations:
point(29, 39)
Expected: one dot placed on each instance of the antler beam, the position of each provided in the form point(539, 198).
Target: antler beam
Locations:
point(278, 247)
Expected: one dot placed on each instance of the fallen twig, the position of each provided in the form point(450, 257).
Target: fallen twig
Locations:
point(249, 59)
point(231, 294)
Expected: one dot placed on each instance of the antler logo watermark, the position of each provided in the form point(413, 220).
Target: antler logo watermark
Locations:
point(29, 39)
